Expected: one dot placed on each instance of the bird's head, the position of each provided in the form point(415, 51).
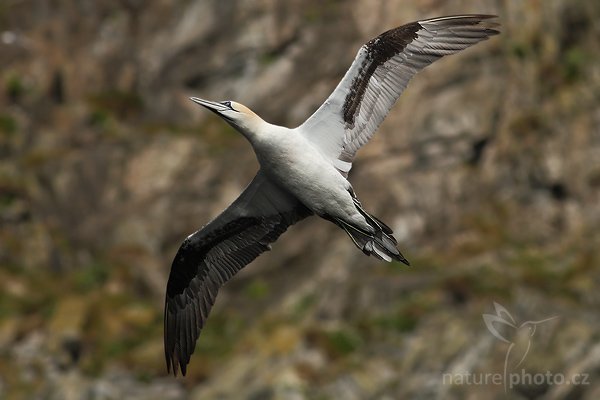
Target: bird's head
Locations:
point(237, 115)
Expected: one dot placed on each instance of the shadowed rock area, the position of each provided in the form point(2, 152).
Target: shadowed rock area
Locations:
point(487, 169)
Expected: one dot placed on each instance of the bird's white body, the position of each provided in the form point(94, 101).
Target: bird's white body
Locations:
point(308, 174)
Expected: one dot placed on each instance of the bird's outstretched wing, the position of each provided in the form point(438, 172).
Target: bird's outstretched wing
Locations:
point(211, 256)
point(379, 75)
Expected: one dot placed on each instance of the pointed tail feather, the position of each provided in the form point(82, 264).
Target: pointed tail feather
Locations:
point(379, 243)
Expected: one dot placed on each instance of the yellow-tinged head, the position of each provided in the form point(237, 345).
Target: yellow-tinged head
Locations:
point(237, 115)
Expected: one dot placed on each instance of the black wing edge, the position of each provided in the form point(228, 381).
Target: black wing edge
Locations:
point(392, 42)
point(193, 282)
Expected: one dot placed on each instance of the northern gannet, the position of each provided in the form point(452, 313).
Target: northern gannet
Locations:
point(303, 171)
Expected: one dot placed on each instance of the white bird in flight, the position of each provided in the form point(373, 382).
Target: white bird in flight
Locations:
point(303, 171)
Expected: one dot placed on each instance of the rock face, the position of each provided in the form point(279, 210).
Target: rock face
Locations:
point(488, 170)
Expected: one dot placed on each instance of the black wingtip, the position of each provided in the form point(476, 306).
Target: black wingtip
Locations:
point(491, 27)
point(174, 367)
point(171, 366)
point(168, 364)
point(487, 21)
point(401, 258)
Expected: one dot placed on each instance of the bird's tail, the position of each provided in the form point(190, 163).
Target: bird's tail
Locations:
point(379, 243)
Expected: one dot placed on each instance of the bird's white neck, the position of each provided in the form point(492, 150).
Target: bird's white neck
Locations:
point(255, 129)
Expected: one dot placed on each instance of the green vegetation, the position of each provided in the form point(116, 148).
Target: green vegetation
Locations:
point(400, 322)
point(257, 289)
point(15, 88)
point(115, 102)
point(111, 323)
point(6, 200)
point(267, 58)
point(519, 50)
point(336, 343)
point(8, 125)
point(90, 277)
point(99, 118)
point(342, 342)
point(317, 12)
point(219, 336)
point(303, 306)
point(574, 64)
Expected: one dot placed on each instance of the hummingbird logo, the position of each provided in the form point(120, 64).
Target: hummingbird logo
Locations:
point(517, 349)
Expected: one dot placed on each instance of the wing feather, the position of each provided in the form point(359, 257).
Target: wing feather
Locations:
point(208, 258)
point(379, 74)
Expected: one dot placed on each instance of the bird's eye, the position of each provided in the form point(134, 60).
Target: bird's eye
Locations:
point(228, 105)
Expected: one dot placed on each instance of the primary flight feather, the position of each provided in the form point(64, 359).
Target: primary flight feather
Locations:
point(303, 172)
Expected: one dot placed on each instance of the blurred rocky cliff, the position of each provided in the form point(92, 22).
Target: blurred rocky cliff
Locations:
point(487, 169)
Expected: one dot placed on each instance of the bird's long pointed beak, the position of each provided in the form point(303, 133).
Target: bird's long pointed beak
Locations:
point(211, 105)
